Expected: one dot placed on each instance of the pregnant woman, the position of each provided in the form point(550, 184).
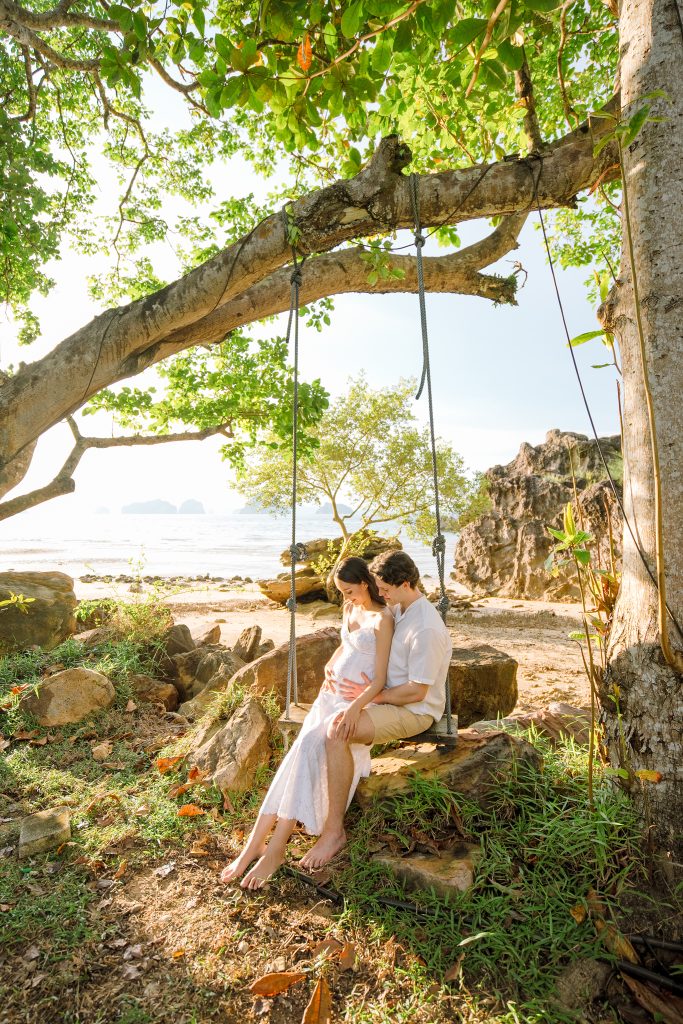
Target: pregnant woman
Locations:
point(299, 791)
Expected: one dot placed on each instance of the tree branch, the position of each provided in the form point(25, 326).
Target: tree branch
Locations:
point(58, 17)
point(64, 483)
point(524, 90)
point(502, 4)
point(376, 200)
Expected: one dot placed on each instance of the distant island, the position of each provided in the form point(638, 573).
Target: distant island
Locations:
point(326, 510)
point(253, 508)
point(163, 508)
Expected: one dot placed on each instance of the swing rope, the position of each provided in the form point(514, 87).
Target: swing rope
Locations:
point(297, 552)
point(439, 542)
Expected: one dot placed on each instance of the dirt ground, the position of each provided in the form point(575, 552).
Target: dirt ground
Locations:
point(535, 633)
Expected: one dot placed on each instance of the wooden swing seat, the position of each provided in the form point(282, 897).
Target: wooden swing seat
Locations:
point(437, 733)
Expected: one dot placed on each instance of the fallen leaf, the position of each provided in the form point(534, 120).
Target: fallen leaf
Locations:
point(142, 810)
point(649, 776)
point(101, 751)
point(190, 811)
point(24, 735)
point(115, 766)
point(100, 798)
point(196, 775)
point(32, 953)
point(121, 869)
point(202, 846)
point(664, 1006)
point(164, 764)
point(347, 957)
point(178, 954)
point(165, 869)
point(4, 907)
point(228, 805)
point(319, 1009)
point(273, 984)
point(4, 743)
point(454, 971)
point(130, 972)
point(615, 941)
point(328, 947)
point(133, 952)
point(215, 814)
point(38, 743)
point(131, 706)
point(578, 913)
point(179, 789)
point(19, 689)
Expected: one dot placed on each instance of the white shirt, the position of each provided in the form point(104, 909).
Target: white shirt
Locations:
point(421, 652)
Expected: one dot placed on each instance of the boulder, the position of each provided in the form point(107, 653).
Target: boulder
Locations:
point(44, 830)
point(195, 669)
point(69, 696)
point(153, 691)
point(232, 751)
point(448, 874)
point(374, 546)
point(483, 683)
point(212, 635)
point(46, 620)
point(307, 584)
point(556, 721)
point(472, 769)
point(93, 637)
point(270, 671)
point(265, 648)
point(178, 640)
point(248, 643)
point(503, 552)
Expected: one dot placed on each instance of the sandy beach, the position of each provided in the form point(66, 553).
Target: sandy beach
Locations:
point(535, 633)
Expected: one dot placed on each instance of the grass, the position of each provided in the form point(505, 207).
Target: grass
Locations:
point(511, 934)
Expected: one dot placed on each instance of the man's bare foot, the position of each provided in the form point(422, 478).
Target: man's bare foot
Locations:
point(263, 869)
point(327, 847)
point(239, 865)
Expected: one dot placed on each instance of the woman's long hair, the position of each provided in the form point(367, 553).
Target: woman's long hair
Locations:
point(355, 570)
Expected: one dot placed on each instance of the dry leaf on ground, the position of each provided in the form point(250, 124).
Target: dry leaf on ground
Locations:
point(101, 751)
point(190, 811)
point(273, 984)
point(164, 764)
point(328, 947)
point(347, 956)
point(121, 869)
point(319, 1009)
point(664, 1006)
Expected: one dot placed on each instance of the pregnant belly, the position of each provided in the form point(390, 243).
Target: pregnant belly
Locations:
point(351, 664)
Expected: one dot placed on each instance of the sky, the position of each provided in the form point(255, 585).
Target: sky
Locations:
point(501, 375)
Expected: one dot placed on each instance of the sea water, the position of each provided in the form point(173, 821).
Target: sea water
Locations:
point(226, 544)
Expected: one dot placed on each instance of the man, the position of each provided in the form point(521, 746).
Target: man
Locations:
point(414, 696)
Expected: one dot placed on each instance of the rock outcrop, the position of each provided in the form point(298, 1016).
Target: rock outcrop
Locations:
point(46, 619)
point(270, 671)
point(69, 696)
point(230, 752)
point(502, 553)
point(483, 683)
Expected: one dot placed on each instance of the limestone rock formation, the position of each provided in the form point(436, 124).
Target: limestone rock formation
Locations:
point(232, 751)
point(270, 671)
point(195, 669)
point(502, 553)
point(448, 874)
point(307, 584)
point(315, 548)
point(44, 830)
point(44, 622)
point(248, 643)
point(69, 696)
point(153, 691)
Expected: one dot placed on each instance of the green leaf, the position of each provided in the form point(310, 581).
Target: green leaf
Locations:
point(466, 31)
point(330, 37)
point(542, 6)
point(557, 534)
point(140, 26)
point(511, 56)
point(231, 91)
point(381, 55)
point(351, 20)
point(582, 556)
point(403, 40)
point(223, 46)
point(634, 125)
point(581, 339)
point(199, 20)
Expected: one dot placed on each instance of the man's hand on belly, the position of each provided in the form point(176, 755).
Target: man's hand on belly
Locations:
point(349, 690)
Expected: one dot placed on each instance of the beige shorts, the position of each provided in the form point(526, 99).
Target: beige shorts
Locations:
point(392, 722)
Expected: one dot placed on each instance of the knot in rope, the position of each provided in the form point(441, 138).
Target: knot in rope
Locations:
point(439, 545)
point(291, 604)
point(442, 606)
point(297, 553)
point(296, 277)
point(420, 239)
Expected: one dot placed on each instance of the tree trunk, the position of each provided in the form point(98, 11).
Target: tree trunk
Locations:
point(643, 715)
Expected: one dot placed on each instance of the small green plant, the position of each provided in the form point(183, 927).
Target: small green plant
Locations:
point(18, 601)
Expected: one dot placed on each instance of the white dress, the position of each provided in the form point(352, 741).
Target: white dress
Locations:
point(299, 788)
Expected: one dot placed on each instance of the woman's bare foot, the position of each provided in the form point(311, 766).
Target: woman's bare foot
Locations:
point(239, 865)
point(264, 868)
point(327, 847)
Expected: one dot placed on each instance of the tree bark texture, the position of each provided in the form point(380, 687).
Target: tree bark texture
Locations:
point(245, 282)
point(643, 716)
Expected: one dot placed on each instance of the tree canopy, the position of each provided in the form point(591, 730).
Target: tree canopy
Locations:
point(372, 454)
